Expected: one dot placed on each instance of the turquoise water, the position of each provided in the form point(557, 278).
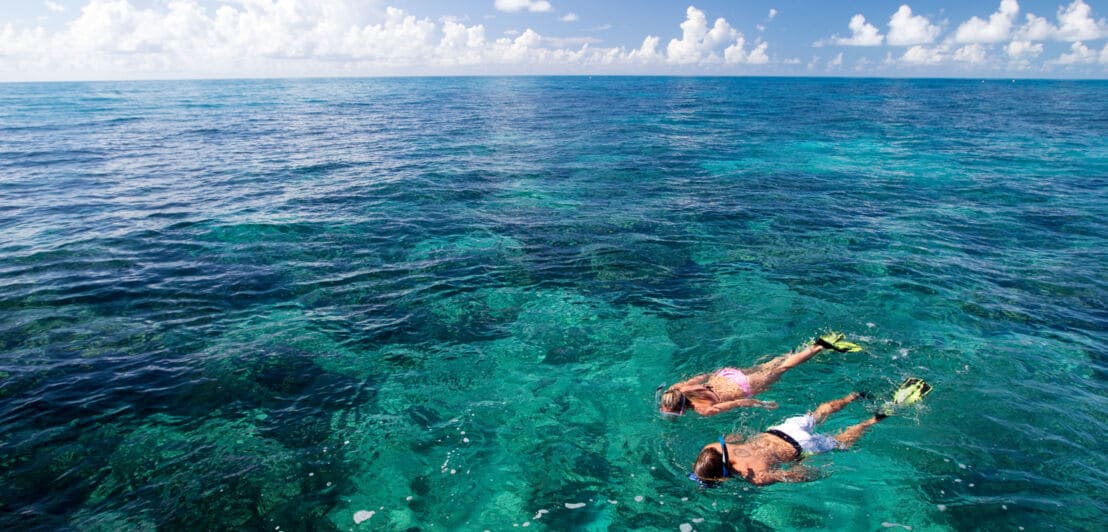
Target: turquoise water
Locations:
point(446, 303)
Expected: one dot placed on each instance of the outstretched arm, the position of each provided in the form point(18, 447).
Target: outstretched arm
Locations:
point(724, 406)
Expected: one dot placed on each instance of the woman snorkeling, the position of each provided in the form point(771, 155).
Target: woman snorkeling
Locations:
point(726, 388)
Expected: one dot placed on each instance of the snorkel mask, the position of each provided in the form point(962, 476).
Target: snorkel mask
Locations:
point(726, 469)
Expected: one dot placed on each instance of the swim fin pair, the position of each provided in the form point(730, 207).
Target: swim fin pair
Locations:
point(836, 342)
point(911, 391)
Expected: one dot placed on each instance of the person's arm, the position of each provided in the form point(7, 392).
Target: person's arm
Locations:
point(724, 406)
point(796, 473)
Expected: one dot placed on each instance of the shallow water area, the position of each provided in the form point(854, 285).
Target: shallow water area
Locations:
point(447, 303)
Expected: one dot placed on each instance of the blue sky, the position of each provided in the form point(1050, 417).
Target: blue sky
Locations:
point(144, 39)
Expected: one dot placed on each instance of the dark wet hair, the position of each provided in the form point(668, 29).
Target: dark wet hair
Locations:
point(709, 465)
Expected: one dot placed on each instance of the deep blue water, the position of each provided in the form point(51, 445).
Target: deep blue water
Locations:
point(446, 303)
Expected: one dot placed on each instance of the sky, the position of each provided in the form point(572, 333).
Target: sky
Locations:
point(51, 40)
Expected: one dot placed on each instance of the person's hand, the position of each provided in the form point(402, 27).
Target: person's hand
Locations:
point(769, 405)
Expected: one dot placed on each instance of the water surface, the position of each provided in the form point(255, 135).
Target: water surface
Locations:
point(446, 303)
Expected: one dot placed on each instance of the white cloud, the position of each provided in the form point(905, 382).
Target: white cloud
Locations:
point(758, 56)
point(1075, 23)
point(54, 7)
point(565, 42)
point(906, 29)
point(1078, 54)
point(569, 17)
point(973, 54)
point(698, 42)
point(772, 13)
point(1082, 54)
point(837, 61)
point(1036, 29)
point(534, 6)
point(862, 33)
point(115, 39)
point(1020, 49)
point(996, 29)
point(648, 52)
point(923, 55)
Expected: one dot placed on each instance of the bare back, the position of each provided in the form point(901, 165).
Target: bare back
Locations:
point(726, 389)
point(758, 460)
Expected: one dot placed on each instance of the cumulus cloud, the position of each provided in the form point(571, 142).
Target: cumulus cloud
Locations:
point(699, 43)
point(862, 33)
point(772, 13)
point(1079, 53)
point(648, 51)
point(996, 29)
point(535, 6)
point(757, 56)
point(923, 55)
point(1075, 23)
point(906, 29)
point(54, 6)
point(1082, 54)
point(569, 17)
point(836, 61)
point(190, 38)
point(973, 54)
point(1036, 29)
point(1021, 49)
point(697, 39)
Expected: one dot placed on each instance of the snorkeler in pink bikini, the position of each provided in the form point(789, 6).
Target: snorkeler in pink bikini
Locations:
point(726, 388)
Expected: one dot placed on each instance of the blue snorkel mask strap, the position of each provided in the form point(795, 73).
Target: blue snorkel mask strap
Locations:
point(723, 446)
point(726, 469)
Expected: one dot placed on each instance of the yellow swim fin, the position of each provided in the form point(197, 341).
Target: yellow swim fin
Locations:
point(911, 391)
point(836, 342)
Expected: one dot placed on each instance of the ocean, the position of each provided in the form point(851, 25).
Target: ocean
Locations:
point(446, 303)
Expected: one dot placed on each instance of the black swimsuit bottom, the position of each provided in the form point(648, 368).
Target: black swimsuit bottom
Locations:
point(789, 440)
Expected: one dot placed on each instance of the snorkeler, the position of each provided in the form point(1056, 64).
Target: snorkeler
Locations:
point(711, 393)
point(759, 459)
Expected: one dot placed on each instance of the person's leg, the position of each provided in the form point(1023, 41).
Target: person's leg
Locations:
point(766, 374)
point(830, 407)
point(851, 434)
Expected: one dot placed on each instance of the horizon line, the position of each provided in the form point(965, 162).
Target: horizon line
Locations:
point(461, 76)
